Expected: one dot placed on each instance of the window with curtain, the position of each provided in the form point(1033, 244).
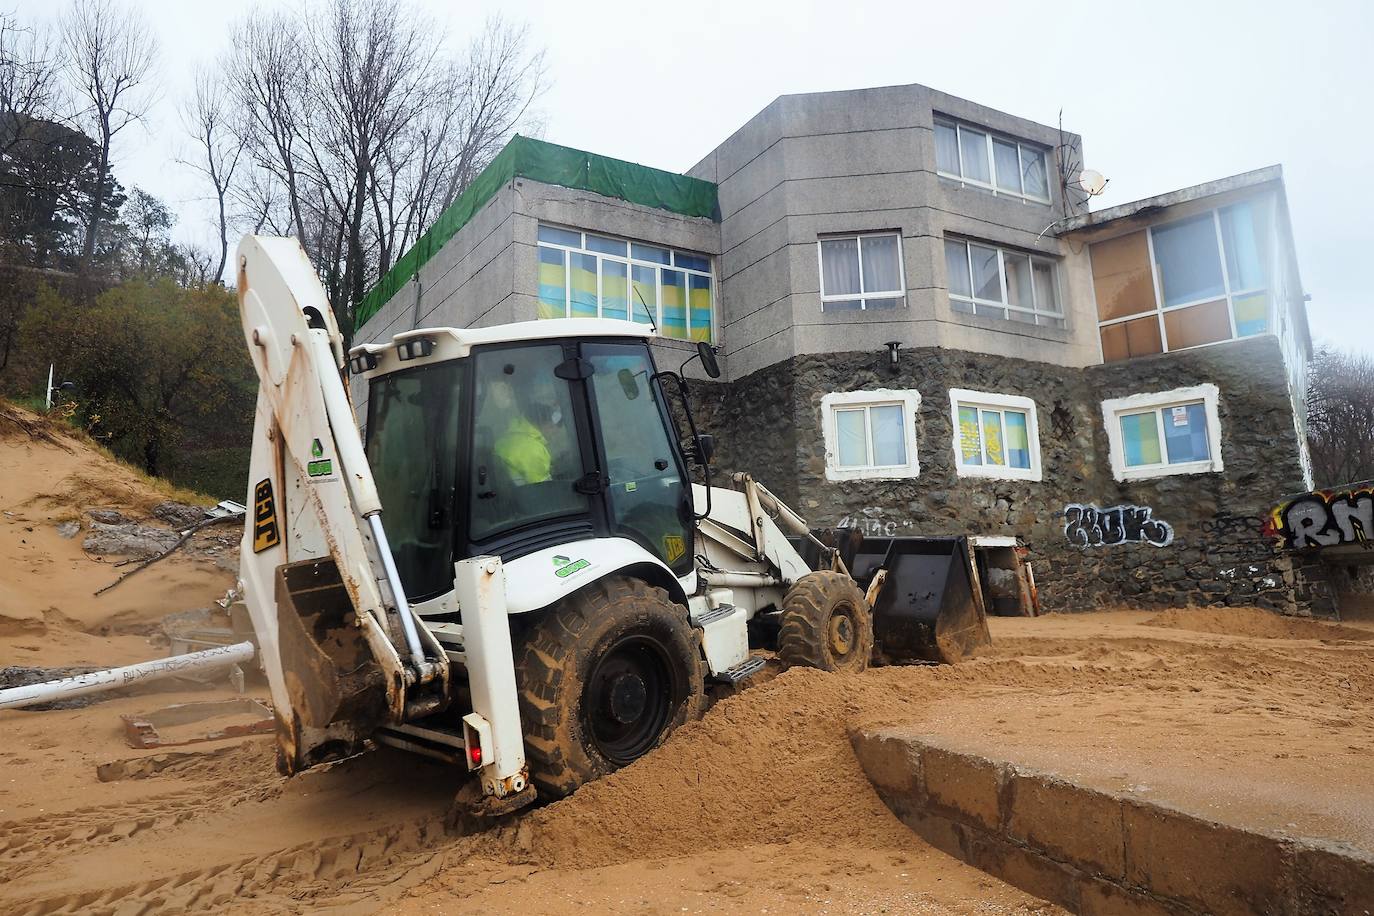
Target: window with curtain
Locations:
point(861, 272)
point(870, 434)
point(1173, 432)
point(1185, 283)
point(992, 162)
point(995, 435)
point(1000, 283)
point(586, 275)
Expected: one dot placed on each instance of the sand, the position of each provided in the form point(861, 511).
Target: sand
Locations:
point(759, 807)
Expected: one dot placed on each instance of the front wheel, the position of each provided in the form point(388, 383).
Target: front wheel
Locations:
point(604, 678)
point(826, 623)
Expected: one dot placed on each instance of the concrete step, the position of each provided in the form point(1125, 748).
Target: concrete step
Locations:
point(1099, 851)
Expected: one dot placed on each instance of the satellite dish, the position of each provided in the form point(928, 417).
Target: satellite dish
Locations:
point(1091, 181)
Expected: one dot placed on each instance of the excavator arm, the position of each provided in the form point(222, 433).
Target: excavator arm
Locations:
point(343, 652)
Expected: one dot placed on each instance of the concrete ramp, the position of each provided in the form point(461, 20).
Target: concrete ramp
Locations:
point(1104, 851)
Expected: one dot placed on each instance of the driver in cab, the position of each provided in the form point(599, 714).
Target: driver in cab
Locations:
point(521, 447)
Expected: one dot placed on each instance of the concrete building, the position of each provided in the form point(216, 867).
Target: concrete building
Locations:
point(924, 330)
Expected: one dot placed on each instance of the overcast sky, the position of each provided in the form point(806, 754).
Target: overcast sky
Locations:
point(1165, 94)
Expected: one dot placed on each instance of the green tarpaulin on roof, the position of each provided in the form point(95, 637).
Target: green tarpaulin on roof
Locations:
point(549, 163)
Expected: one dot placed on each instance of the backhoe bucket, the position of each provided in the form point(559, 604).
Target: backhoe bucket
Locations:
point(336, 688)
point(927, 606)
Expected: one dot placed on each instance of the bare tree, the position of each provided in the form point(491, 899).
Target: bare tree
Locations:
point(268, 76)
point(110, 53)
point(366, 126)
point(193, 265)
point(219, 147)
point(1340, 417)
point(28, 79)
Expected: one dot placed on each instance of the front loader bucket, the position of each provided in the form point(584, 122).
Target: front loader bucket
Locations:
point(337, 692)
point(927, 607)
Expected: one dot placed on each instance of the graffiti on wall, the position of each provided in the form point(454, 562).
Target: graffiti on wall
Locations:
point(1090, 526)
point(1326, 518)
point(870, 521)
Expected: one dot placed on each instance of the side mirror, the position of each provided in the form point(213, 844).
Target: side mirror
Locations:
point(708, 359)
point(628, 383)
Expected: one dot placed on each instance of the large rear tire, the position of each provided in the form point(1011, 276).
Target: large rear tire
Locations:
point(604, 678)
point(826, 624)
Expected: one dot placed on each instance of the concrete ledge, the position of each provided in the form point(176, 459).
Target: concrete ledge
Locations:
point(1099, 852)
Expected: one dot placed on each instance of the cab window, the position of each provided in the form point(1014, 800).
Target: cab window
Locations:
point(646, 497)
point(525, 458)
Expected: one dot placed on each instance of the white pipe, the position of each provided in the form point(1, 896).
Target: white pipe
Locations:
point(114, 678)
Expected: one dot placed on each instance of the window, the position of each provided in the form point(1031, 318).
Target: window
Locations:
point(525, 456)
point(1156, 435)
point(584, 275)
point(870, 434)
point(643, 477)
point(1000, 283)
point(861, 272)
point(995, 435)
point(1188, 283)
point(413, 432)
point(998, 164)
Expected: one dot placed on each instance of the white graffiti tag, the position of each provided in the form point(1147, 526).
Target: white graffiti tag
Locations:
point(1089, 526)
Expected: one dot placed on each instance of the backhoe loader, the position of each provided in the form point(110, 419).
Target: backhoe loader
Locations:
point(515, 570)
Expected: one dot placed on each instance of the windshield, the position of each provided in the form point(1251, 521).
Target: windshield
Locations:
point(412, 447)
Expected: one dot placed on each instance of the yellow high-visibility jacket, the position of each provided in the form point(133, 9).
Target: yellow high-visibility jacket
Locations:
point(524, 452)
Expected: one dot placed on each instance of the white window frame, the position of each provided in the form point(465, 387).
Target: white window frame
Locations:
point(631, 263)
point(1229, 295)
point(963, 397)
point(1034, 311)
point(1114, 408)
point(910, 402)
point(988, 136)
point(862, 294)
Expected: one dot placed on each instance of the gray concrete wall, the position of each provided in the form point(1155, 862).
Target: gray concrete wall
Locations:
point(864, 160)
point(488, 273)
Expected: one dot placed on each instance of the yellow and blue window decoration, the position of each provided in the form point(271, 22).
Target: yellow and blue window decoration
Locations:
point(583, 275)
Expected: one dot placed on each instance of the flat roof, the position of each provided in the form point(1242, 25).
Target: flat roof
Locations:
point(1240, 182)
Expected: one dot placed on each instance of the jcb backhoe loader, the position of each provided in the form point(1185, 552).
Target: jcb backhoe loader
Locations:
point(548, 594)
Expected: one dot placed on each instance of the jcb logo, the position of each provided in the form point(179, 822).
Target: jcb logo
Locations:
point(265, 533)
point(674, 547)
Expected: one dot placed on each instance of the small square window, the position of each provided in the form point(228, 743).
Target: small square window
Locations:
point(1157, 435)
point(861, 272)
point(995, 435)
point(870, 434)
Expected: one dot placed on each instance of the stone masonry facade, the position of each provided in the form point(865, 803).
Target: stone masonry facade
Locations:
point(769, 425)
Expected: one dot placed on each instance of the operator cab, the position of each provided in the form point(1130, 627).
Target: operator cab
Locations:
point(505, 447)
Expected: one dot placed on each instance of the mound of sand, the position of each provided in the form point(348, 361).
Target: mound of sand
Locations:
point(1251, 621)
point(49, 614)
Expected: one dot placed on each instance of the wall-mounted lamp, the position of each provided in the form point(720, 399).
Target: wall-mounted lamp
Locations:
point(892, 347)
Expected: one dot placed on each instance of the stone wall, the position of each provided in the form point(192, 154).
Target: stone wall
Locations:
point(769, 424)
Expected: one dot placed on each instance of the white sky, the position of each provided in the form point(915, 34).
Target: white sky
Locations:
point(1166, 94)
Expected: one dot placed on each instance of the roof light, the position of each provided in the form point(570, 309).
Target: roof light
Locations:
point(363, 362)
point(414, 347)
